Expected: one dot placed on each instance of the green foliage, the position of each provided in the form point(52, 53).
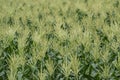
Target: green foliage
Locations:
point(60, 40)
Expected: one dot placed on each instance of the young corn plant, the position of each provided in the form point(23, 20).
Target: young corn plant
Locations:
point(66, 68)
point(96, 54)
point(105, 56)
point(75, 64)
point(117, 62)
point(15, 61)
point(50, 68)
point(106, 72)
point(42, 75)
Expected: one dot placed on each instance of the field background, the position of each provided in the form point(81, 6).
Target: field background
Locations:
point(59, 39)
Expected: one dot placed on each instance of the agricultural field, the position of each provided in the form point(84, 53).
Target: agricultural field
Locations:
point(59, 39)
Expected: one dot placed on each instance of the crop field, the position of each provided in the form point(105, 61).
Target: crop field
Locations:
point(59, 39)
